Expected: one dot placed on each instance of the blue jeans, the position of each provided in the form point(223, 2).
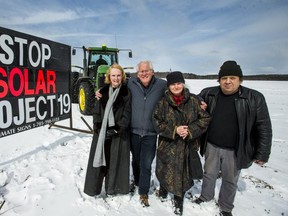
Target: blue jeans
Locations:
point(143, 152)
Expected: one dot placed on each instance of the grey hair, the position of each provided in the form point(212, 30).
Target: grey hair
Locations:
point(145, 62)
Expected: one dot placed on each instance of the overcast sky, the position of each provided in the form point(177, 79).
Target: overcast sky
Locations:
point(192, 36)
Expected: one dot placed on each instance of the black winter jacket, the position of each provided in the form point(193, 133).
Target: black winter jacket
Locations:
point(117, 150)
point(255, 130)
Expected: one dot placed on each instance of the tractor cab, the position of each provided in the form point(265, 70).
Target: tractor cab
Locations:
point(97, 58)
point(96, 61)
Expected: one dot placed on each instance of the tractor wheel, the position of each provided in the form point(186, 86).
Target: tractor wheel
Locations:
point(86, 98)
point(73, 87)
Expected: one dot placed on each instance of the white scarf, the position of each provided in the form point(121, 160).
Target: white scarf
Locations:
point(99, 157)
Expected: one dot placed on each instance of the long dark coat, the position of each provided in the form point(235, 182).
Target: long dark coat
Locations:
point(117, 149)
point(177, 161)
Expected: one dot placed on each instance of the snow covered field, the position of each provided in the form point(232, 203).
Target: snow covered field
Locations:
point(42, 171)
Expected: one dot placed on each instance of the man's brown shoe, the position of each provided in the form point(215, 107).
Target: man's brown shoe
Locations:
point(144, 200)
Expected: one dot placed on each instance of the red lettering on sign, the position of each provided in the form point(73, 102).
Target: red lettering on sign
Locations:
point(18, 82)
point(16, 72)
point(27, 91)
point(51, 81)
point(40, 85)
point(3, 84)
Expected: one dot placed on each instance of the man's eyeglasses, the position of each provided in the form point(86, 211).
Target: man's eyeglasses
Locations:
point(144, 71)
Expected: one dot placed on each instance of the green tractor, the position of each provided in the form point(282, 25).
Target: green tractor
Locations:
point(96, 61)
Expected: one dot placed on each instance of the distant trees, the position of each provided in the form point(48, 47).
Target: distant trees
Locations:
point(277, 77)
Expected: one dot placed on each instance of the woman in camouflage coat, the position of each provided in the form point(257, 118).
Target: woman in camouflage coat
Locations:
point(179, 121)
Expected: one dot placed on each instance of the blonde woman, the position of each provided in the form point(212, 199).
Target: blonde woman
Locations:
point(110, 150)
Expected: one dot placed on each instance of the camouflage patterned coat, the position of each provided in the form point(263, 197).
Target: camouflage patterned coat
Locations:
point(176, 158)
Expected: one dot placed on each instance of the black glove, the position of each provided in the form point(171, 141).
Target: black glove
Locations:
point(110, 133)
point(96, 127)
point(122, 132)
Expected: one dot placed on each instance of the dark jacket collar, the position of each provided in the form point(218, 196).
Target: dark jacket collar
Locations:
point(105, 94)
point(242, 91)
point(152, 81)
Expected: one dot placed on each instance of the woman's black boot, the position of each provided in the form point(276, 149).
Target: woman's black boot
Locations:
point(178, 205)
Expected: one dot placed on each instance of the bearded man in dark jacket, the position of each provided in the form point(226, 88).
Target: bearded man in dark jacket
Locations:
point(239, 134)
